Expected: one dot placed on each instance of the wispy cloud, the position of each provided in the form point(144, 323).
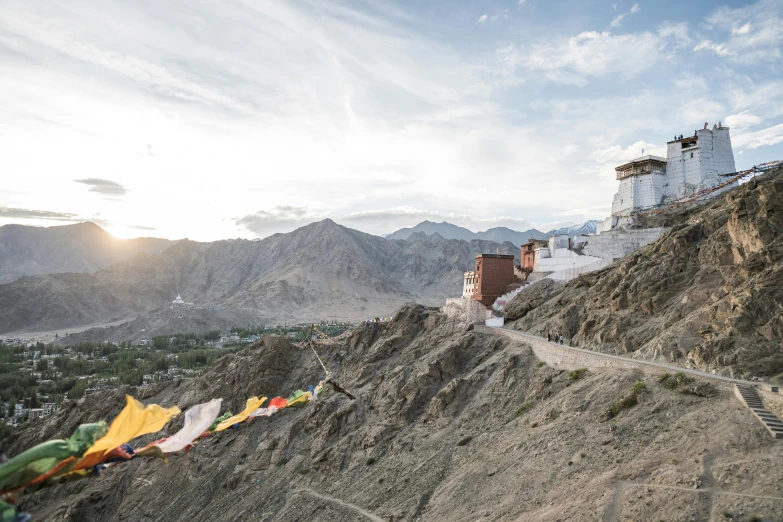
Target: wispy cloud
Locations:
point(754, 34)
point(739, 31)
point(482, 19)
point(103, 186)
point(592, 54)
point(760, 138)
point(708, 45)
point(618, 20)
point(282, 218)
point(27, 213)
point(351, 110)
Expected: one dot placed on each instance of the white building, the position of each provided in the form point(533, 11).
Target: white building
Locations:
point(692, 164)
point(468, 284)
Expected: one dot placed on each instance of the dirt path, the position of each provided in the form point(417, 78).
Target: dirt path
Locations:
point(614, 509)
point(353, 507)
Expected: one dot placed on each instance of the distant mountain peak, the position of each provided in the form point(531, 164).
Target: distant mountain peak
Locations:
point(450, 231)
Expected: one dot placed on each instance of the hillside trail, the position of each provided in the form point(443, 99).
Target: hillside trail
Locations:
point(641, 363)
point(343, 503)
point(707, 487)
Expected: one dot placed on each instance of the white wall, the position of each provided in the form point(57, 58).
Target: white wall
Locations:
point(638, 191)
point(695, 168)
point(563, 260)
point(571, 273)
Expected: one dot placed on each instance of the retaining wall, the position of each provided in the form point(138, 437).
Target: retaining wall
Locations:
point(572, 273)
point(617, 243)
point(569, 358)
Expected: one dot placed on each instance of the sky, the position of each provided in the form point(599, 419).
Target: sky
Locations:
point(244, 118)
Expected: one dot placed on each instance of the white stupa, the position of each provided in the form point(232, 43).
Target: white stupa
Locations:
point(178, 301)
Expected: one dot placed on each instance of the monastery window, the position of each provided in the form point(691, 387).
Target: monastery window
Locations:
point(691, 154)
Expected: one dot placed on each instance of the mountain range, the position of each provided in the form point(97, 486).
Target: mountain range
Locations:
point(82, 247)
point(497, 234)
point(320, 271)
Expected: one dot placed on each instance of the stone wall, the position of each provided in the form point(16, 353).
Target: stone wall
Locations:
point(567, 358)
point(466, 310)
point(617, 243)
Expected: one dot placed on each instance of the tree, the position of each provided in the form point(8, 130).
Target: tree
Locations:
point(41, 365)
point(11, 407)
point(34, 399)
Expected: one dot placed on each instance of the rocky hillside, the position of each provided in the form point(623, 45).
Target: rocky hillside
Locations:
point(82, 248)
point(449, 425)
point(708, 294)
point(320, 271)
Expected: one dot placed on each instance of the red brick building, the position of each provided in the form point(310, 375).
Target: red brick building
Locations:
point(493, 274)
point(527, 255)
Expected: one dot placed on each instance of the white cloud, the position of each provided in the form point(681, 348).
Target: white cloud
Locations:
point(592, 53)
point(482, 19)
point(759, 39)
point(617, 21)
point(326, 110)
point(742, 120)
point(719, 49)
point(738, 31)
point(761, 138)
point(521, 2)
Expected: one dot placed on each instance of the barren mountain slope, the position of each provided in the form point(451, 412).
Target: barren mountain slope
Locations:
point(449, 425)
point(82, 247)
point(708, 294)
point(320, 271)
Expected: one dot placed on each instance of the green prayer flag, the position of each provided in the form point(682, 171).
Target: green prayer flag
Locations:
point(39, 459)
point(220, 419)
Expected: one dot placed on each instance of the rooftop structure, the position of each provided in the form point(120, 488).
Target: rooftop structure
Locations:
point(527, 254)
point(645, 165)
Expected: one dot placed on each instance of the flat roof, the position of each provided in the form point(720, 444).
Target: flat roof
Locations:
point(686, 138)
point(496, 256)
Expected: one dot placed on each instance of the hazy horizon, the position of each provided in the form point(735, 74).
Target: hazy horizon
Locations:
point(246, 118)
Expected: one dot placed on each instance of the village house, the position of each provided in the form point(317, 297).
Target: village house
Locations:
point(468, 284)
point(493, 274)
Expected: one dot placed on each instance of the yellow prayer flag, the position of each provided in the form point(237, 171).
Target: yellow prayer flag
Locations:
point(252, 404)
point(133, 421)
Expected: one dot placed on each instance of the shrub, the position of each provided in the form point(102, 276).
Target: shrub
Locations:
point(464, 440)
point(539, 364)
point(524, 408)
point(675, 381)
point(577, 374)
point(370, 461)
point(629, 401)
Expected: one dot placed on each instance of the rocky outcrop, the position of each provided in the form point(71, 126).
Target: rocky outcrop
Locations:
point(708, 294)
